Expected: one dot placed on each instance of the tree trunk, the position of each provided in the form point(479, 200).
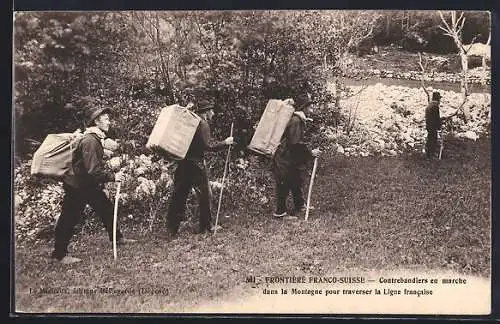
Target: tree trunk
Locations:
point(387, 26)
point(164, 67)
point(483, 77)
point(483, 81)
point(463, 82)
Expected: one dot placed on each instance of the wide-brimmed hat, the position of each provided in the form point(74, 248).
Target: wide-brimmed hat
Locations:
point(94, 112)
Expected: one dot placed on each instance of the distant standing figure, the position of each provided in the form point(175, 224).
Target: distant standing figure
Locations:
point(433, 124)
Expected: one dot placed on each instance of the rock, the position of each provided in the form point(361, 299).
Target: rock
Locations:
point(469, 135)
point(17, 201)
point(139, 171)
point(380, 142)
point(379, 123)
point(340, 149)
point(407, 138)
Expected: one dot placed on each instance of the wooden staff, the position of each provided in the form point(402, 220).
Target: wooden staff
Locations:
point(310, 187)
point(441, 145)
point(223, 179)
point(115, 217)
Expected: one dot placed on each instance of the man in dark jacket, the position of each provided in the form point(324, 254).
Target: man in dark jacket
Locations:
point(86, 187)
point(433, 124)
point(191, 172)
point(291, 158)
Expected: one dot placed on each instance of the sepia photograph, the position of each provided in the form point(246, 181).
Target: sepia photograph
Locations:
point(275, 162)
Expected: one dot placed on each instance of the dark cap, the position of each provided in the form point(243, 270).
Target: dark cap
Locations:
point(203, 106)
point(95, 112)
point(302, 102)
point(436, 96)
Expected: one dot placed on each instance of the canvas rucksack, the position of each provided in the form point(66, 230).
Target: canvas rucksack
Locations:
point(271, 126)
point(54, 158)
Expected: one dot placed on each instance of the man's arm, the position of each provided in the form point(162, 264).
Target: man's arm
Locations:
point(208, 142)
point(298, 148)
point(438, 118)
point(92, 155)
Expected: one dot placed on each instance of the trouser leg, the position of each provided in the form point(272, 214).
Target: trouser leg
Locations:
point(431, 144)
point(296, 182)
point(103, 207)
point(72, 207)
point(282, 190)
point(201, 184)
point(177, 206)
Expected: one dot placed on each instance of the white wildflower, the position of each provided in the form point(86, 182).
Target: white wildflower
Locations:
point(215, 184)
point(114, 163)
point(139, 171)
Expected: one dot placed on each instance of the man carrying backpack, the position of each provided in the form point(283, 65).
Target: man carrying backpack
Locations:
point(86, 186)
point(291, 158)
point(191, 172)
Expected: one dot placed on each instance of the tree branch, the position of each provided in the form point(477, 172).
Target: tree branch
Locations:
point(423, 76)
point(202, 42)
point(459, 108)
point(369, 32)
point(459, 20)
point(363, 87)
point(141, 23)
point(444, 21)
point(470, 46)
point(446, 31)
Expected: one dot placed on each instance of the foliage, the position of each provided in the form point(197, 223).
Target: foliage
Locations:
point(418, 30)
point(60, 60)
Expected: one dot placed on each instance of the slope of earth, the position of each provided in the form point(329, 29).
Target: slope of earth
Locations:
point(389, 120)
point(371, 213)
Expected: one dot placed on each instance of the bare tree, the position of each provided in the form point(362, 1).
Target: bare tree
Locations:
point(454, 30)
point(483, 78)
point(424, 73)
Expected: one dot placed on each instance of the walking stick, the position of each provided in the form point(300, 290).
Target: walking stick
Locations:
point(223, 179)
point(115, 217)
point(441, 145)
point(310, 187)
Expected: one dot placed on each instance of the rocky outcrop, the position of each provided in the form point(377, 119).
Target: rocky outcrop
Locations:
point(390, 120)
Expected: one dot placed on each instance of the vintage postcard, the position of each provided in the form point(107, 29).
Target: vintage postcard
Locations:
point(258, 162)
